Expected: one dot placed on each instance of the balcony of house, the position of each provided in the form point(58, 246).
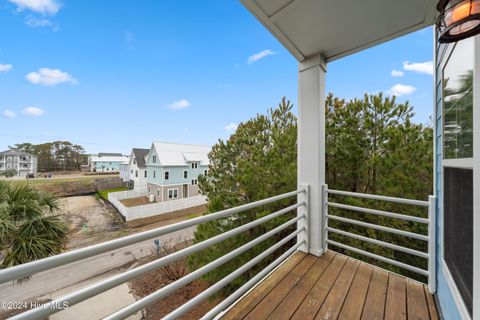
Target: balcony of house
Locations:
point(295, 285)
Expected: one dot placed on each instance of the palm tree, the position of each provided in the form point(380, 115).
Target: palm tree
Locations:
point(30, 227)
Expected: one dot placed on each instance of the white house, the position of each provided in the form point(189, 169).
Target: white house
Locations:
point(23, 163)
point(107, 162)
point(135, 170)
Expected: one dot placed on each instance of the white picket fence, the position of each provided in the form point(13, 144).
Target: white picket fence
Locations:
point(151, 209)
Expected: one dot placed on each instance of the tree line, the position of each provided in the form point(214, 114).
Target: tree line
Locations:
point(56, 155)
point(372, 146)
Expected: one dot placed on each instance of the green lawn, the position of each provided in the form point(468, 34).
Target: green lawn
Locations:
point(104, 193)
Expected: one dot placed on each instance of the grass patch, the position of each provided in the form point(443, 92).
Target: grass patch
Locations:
point(104, 193)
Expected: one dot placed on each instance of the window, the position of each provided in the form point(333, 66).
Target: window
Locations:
point(154, 159)
point(136, 173)
point(206, 172)
point(154, 174)
point(145, 173)
point(148, 189)
point(185, 174)
point(194, 182)
point(458, 102)
point(172, 193)
point(194, 165)
point(167, 175)
point(134, 161)
point(158, 192)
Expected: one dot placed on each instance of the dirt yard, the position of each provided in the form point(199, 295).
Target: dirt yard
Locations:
point(133, 202)
point(151, 282)
point(89, 220)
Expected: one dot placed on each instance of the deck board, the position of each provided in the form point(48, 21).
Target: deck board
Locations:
point(396, 306)
point(334, 286)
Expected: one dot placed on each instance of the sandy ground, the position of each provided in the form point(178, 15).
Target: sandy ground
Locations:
point(89, 220)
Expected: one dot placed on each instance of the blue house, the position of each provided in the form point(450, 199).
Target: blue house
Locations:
point(173, 170)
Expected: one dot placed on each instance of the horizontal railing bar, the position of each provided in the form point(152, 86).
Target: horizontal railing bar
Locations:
point(99, 287)
point(377, 257)
point(27, 269)
point(250, 283)
point(379, 243)
point(378, 197)
point(378, 212)
point(222, 283)
point(168, 289)
point(380, 228)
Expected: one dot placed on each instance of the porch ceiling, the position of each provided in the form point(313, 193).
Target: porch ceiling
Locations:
point(337, 28)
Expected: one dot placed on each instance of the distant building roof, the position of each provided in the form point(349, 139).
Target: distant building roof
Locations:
point(175, 154)
point(106, 154)
point(14, 152)
point(109, 159)
point(140, 155)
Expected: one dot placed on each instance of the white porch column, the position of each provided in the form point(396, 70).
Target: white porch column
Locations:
point(311, 147)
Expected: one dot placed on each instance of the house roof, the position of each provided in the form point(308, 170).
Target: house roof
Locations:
point(109, 159)
point(334, 28)
point(174, 154)
point(140, 155)
point(107, 154)
point(14, 152)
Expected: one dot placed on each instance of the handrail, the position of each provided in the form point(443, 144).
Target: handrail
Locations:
point(250, 284)
point(168, 289)
point(109, 283)
point(379, 228)
point(80, 295)
point(378, 212)
point(379, 243)
point(27, 269)
point(378, 197)
point(430, 222)
point(381, 258)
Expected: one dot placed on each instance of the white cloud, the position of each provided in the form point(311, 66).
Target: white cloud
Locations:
point(231, 127)
point(45, 7)
point(50, 77)
point(9, 114)
point(397, 73)
point(401, 90)
point(5, 67)
point(178, 105)
point(419, 67)
point(33, 22)
point(260, 55)
point(33, 112)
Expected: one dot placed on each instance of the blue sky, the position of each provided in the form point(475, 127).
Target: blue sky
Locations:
point(112, 75)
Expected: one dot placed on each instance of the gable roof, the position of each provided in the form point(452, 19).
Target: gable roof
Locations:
point(107, 154)
point(15, 152)
point(175, 154)
point(140, 155)
point(110, 159)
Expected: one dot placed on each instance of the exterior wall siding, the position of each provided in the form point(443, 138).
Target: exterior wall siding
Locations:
point(107, 166)
point(449, 307)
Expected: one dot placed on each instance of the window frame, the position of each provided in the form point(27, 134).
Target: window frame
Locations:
point(185, 174)
point(166, 175)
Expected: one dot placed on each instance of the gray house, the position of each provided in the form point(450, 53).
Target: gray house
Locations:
point(22, 162)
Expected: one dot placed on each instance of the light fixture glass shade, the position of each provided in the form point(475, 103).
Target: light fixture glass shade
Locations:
point(459, 19)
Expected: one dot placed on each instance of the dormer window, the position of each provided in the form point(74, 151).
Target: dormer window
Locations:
point(154, 159)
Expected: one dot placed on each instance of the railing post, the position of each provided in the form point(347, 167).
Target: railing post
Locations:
point(432, 275)
point(324, 213)
point(303, 211)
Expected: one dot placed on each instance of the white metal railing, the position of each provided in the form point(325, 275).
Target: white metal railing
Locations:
point(28, 269)
point(430, 221)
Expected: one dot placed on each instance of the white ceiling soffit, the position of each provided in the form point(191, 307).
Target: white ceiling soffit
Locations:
point(337, 28)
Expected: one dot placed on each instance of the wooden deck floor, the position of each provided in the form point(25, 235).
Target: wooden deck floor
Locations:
point(334, 286)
